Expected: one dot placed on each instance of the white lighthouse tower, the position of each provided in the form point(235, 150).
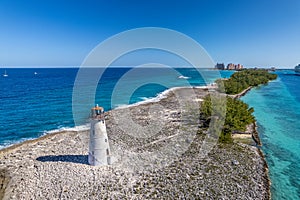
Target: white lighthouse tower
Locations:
point(99, 152)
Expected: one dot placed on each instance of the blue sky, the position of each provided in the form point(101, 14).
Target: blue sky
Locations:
point(63, 32)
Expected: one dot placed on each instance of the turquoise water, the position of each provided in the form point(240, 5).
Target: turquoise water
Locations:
point(33, 105)
point(277, 111)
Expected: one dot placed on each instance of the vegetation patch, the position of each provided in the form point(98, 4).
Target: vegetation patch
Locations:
point(238, 116)
point(244, 79)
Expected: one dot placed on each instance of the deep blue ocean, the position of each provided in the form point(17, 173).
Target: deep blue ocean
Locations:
point(34, 104)
point(36, 101)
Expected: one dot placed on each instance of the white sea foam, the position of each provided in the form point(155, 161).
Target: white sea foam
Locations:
point(13, 142)
point(7, 144)
point(61, 129)
point(145, 98)
point(159, 96)
point(84, 127)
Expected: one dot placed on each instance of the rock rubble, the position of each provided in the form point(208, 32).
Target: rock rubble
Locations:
point(159, 162)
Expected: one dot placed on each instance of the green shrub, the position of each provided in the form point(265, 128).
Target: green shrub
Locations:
point(238, 115)
point(241, 80)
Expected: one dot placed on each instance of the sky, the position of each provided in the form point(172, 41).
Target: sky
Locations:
point(258, 33)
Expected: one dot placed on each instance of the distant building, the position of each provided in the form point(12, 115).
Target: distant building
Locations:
point(220, 66)
point(239, 67)
point(232, 66)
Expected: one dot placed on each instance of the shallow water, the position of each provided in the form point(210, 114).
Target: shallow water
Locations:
point(277, 111)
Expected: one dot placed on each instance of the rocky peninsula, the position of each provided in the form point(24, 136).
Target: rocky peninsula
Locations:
point(163, 161)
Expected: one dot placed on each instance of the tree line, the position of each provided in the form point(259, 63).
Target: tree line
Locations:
point(241, 80)
point(235, 113)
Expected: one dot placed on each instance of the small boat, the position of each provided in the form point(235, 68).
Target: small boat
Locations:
point(5, 74)
point(297, 68)
point(35, 73)
point(183, 77)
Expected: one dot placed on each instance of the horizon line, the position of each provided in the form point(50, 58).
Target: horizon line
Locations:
point(123, 66)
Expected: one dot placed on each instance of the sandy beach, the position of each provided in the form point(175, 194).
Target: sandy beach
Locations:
point(159, 157)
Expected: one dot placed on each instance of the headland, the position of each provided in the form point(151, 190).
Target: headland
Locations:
point(55, 166)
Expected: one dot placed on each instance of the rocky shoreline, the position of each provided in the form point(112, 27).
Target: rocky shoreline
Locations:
point(157, 156)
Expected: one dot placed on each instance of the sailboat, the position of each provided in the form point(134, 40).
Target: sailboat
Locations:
point(5, 74)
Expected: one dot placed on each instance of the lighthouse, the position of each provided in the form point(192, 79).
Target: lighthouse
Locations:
point(99, 152)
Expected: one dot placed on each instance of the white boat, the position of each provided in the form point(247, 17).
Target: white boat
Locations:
point(35, 73)
point(5, 74)
point(297, 68)
point(183, 77)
